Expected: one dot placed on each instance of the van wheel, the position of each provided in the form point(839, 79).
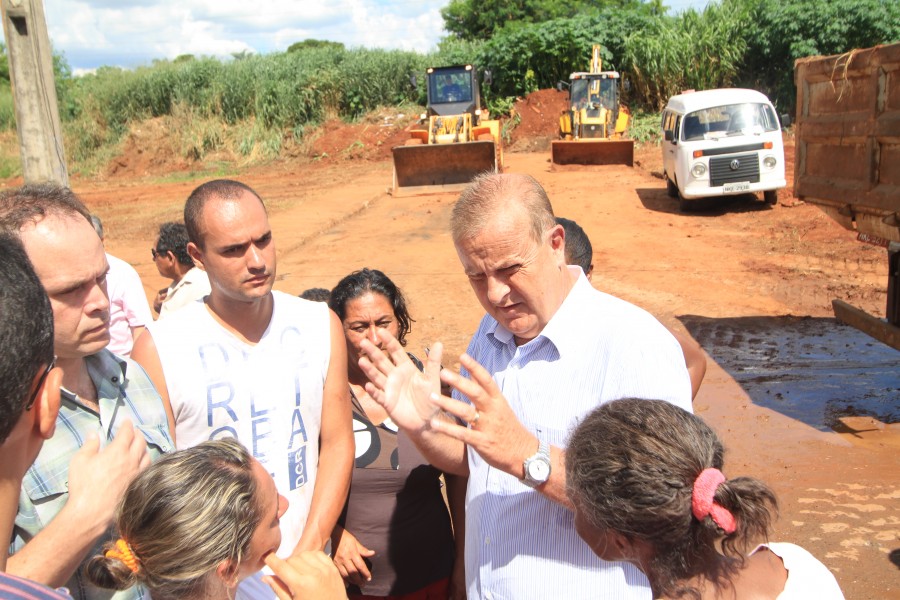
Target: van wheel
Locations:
point(771, 197)
point(671, 188)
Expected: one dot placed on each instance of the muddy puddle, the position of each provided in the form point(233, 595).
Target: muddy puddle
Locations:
point(815, 370)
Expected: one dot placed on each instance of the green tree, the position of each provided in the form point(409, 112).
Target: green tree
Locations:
point(481, 19)
point(781, 31)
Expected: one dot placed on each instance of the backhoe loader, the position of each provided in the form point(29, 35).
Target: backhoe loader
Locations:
point(592, 129)
point(458, 142)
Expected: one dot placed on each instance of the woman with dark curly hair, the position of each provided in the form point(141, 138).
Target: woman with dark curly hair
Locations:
point(395, 536)
point(646, 481)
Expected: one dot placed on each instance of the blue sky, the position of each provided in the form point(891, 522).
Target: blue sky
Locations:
point(130, 33)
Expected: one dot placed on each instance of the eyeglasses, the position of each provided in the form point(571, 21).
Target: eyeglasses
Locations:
point(40, 384)
point(157, 253)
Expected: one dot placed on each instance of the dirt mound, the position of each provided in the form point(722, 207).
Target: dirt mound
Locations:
point(371, 139)
point(538, 114)
point(148, 149)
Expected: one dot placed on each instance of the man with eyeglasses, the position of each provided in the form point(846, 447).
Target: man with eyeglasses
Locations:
point(70, 493)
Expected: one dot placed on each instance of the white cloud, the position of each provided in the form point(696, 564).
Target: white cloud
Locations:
point(129, 33)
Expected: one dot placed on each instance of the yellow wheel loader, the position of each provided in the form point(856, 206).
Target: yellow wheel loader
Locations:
point(459, 140)
point(594, 126)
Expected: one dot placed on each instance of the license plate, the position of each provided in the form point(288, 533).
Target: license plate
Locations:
point(740, 186)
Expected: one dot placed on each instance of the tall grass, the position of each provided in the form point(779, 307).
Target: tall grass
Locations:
point(696, 50)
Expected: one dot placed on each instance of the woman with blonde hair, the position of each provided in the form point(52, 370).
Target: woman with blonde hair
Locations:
point(197, 522)
point(646, 481)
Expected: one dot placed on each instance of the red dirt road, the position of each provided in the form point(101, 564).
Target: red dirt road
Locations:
point(839, 492)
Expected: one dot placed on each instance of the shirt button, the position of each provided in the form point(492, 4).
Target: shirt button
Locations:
point(487, 541)
point(115, 380)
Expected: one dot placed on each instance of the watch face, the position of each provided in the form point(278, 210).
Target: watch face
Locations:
point(539, 470)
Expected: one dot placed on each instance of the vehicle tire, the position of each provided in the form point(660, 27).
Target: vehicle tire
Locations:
point(771, 197)
point(685, 205)
point(671, 188)
point(413, 142)
point(485, 137)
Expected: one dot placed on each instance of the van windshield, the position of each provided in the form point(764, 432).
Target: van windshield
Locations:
point(729, 120)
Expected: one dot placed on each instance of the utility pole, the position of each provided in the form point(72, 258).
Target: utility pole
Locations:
point(34, 91)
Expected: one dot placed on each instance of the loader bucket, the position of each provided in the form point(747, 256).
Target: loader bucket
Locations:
point(593, 152)
point(440, 167)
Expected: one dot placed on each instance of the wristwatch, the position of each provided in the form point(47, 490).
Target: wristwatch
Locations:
point(537, 466)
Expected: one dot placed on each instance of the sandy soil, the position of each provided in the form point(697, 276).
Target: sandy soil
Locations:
point(839, 491)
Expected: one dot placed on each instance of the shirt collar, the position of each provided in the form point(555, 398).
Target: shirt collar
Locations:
point(106, 369)
point(562, 329)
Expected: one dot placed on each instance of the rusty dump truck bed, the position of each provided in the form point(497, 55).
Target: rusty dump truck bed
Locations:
point(848, 138)
point(848, 158)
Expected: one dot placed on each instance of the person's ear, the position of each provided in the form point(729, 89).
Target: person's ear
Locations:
point(227, 572)
point(621, 543)
point(558, 243)
point(47, 405)
point(590, 272)
point(634, 550)
point(196, 255)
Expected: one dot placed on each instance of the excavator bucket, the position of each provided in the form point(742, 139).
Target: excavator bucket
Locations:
point(593, 152)
point(431, 168)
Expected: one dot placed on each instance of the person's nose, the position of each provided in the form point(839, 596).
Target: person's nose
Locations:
point(98, 299)
point(255, 260)
point(496, 290)
point(373, 335)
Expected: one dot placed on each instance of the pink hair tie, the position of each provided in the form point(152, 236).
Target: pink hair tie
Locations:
point(703, 503)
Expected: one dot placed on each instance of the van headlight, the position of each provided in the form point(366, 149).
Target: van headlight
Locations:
point(698, 170)
point(769, 162)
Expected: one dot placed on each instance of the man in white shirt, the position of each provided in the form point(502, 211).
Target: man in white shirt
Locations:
point(267, 368)
point(552, 348)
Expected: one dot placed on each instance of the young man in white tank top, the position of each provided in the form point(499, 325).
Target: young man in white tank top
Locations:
point(265, 367)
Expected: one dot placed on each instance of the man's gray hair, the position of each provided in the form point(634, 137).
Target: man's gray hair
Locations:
point(490, 193)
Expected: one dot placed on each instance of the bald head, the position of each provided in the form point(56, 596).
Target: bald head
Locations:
point(218, 189)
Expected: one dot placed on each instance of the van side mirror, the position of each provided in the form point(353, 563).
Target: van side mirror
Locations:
point(669, 135)
point(488, 78)
point(413, 82)
point(786, 120)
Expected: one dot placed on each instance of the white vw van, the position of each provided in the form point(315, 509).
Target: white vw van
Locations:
point(722, 142)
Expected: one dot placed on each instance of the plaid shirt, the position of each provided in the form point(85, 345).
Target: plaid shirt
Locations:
point(45, 487)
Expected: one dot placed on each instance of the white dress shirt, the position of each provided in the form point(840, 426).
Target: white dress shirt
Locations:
point(595, 349)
